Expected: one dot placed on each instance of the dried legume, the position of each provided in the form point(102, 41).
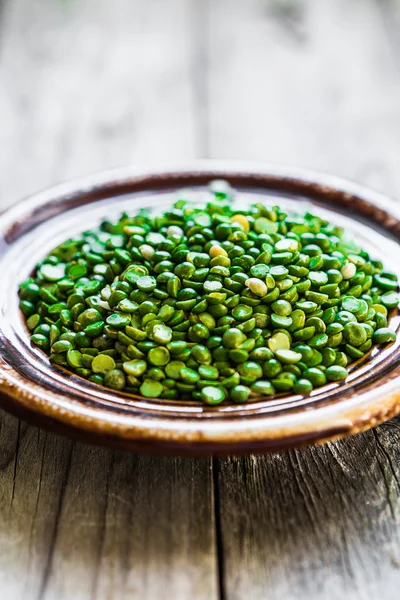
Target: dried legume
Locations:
point(210, 303)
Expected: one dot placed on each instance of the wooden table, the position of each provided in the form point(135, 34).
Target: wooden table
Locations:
point(90, 84)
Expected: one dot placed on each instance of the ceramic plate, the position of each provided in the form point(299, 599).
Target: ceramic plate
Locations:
point(53, 398)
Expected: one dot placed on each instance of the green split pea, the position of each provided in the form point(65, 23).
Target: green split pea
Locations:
point(210, 303)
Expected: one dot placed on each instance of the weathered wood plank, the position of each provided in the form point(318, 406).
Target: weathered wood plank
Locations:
point(313, 84)
point(84, 86)
point(316, 523)
point(390, 13)
point(91, 85)
point(162, 548)
point(83, 522)
point(308, 83)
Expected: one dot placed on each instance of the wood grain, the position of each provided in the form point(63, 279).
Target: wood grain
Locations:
point(308, 83)
point(85, 86)
point(317, 523)
point(86, 523)
point(92, 84)
point(314, 84)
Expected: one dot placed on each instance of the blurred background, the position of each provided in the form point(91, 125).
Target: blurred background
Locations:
point(93, 84)
point(87, 85)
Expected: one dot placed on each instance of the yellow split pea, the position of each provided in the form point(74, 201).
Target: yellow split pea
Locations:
point(257, 286)
point(242, 220)
point(217, 251)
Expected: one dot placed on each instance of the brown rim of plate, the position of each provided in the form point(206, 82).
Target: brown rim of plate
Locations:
point(58, 400)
